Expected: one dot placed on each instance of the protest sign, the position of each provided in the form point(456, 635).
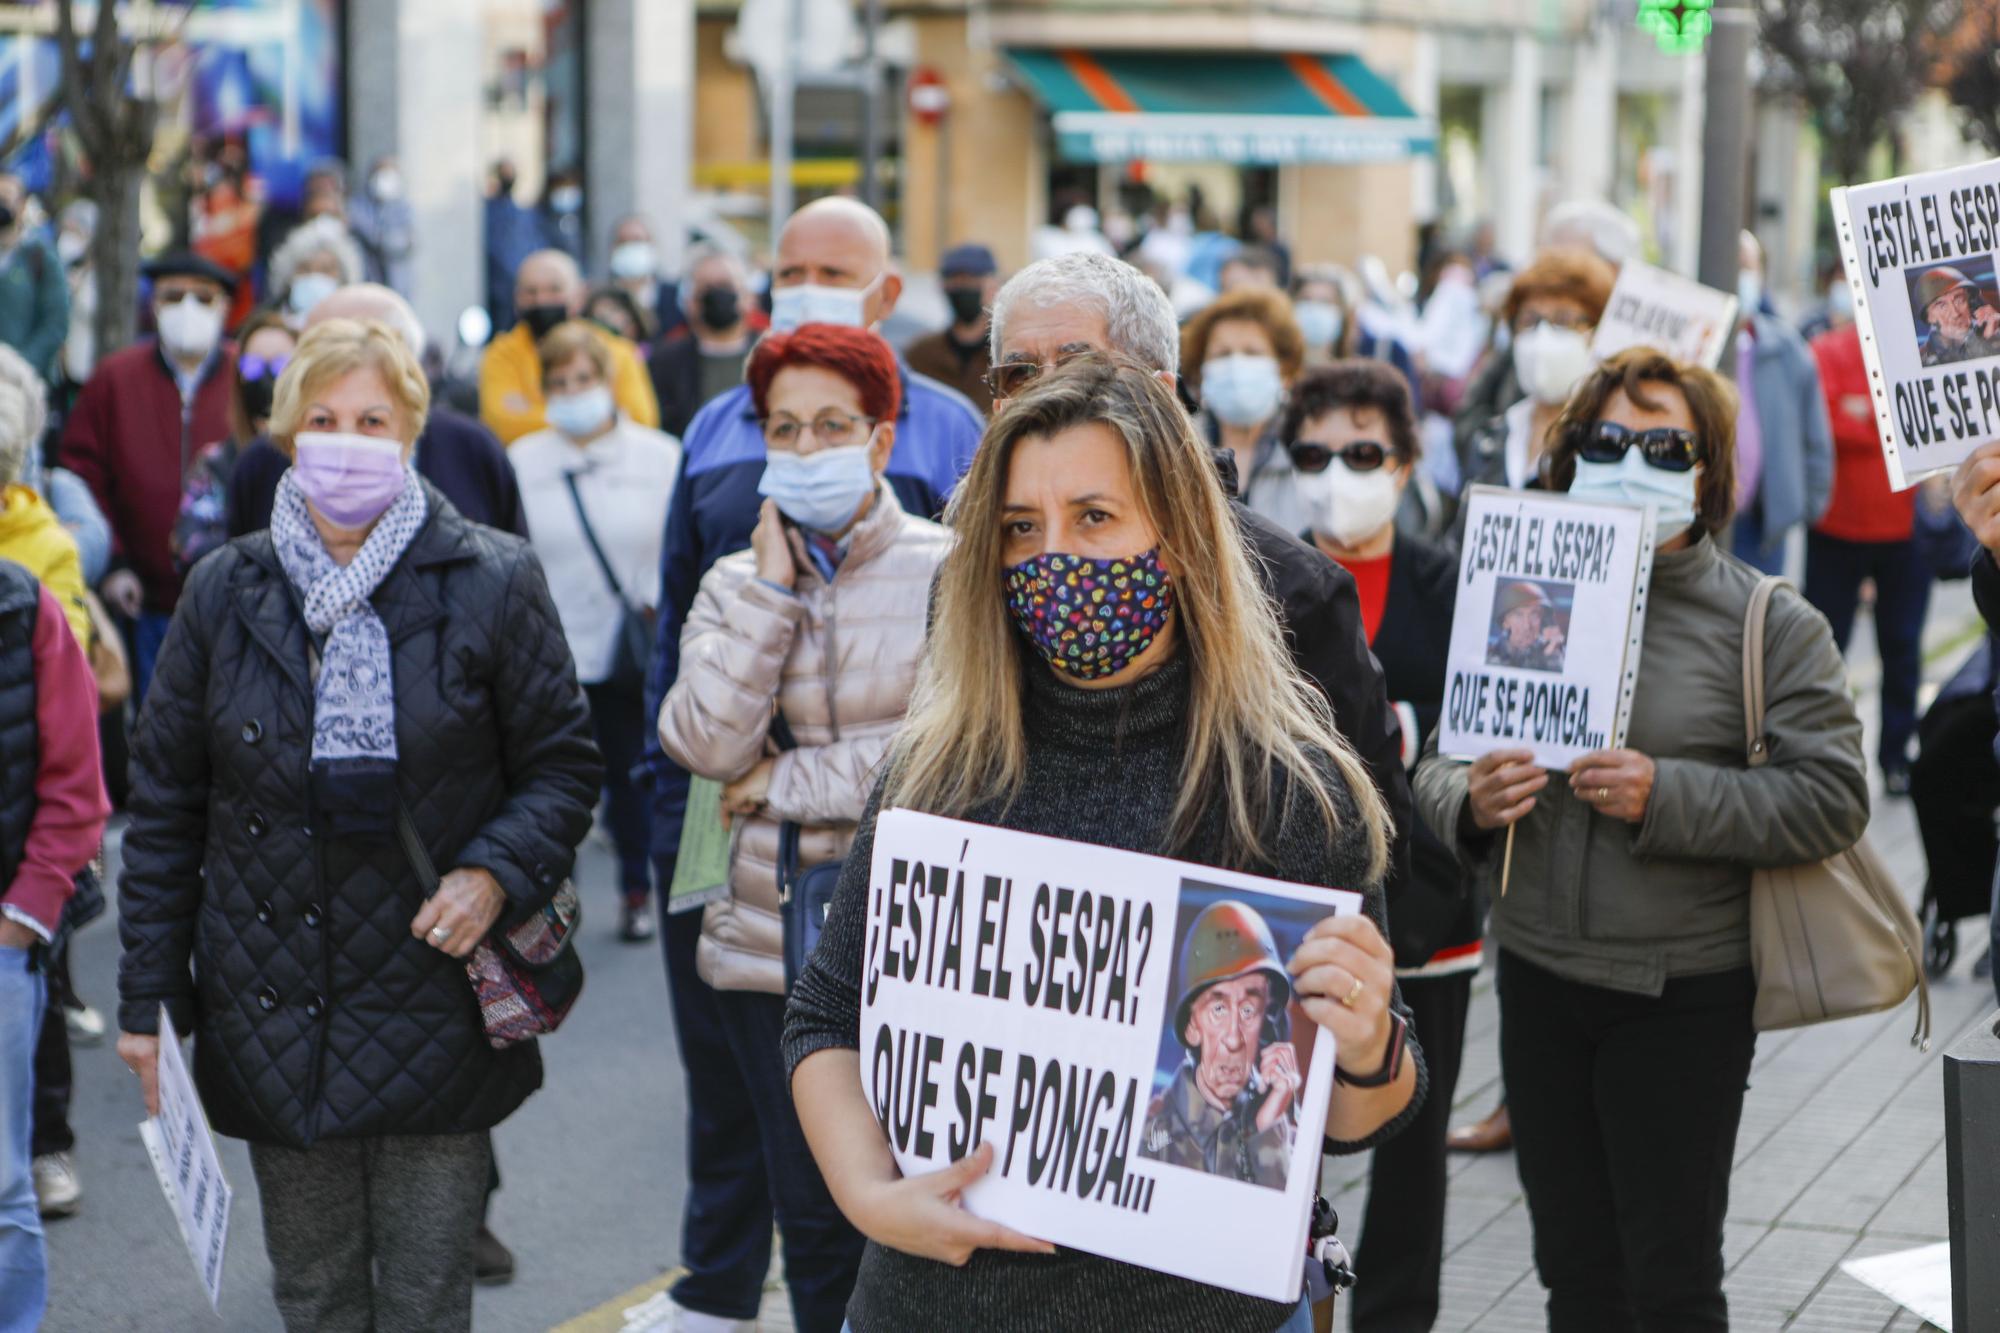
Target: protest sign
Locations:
point(1524, 672)
point(1919, 252)
point(1650, 307)
point(182, 1147)
point(1091, 1013)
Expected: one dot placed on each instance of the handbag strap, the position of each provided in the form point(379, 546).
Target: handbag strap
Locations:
point(413, 847)
point(788, 830)
point(590, 536)
point(1753, 670)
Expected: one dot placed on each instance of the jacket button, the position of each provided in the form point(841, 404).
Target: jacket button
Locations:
point(267, 999)
point(311, 915)
point(315, 1007)
point(253, 731)
point(265, 912)
point(256, 825)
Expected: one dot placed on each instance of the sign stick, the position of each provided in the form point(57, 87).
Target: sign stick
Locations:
point(1507, 859)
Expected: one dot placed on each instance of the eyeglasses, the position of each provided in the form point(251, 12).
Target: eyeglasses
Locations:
point(833, 430)
point(1011, 377)
point(1669, 448)
point(258, 367)
point(201, 295)
point(1360, 456)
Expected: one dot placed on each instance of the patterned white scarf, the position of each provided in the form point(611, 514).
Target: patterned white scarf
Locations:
point(354, 701)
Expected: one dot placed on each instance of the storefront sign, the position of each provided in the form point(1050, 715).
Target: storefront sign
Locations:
point(1650, 307)
point(1092, 136)
point(1545, 640)
point(1920, 253)
point(1119, 1027)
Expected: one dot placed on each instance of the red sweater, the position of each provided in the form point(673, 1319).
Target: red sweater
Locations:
point(70, 805)
point(1864, 509)
point(132, 444)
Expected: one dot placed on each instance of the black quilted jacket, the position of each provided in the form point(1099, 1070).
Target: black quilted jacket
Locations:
point(315, 1013)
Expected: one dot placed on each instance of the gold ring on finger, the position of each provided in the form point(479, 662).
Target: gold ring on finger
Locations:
point(1604, 793)
point(1347, 1000)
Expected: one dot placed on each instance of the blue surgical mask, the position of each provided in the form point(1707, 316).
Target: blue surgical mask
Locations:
point(1241, 390)
point(813, 304)
point(579, 414)
point(1632, 480)
point(822, 491)
point(309, 289)
point(1320, 322)
point(1749, 294)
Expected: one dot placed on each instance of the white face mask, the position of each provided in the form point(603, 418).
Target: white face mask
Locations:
point(578, 414)
point(1241, 390)
point(308, 290)
point(386, 185)
point(1320, 322)
point(810, 303)
point(1749, 294)
point(633, 259)
point(189, 329)
point(70, 247)
point(1632, 480)
point(1550, 362)
point(1348, 506)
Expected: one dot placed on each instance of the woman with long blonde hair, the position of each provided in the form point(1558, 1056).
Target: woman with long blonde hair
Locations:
point(1164, 717)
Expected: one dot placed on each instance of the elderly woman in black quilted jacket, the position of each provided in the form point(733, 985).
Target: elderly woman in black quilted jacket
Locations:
point(372, 650)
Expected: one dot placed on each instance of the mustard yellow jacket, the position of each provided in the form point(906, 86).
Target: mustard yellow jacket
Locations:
point(510, 385)
point(34, 538)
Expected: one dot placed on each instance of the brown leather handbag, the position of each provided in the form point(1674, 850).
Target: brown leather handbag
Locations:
point(106, 653)
point(1833, 938)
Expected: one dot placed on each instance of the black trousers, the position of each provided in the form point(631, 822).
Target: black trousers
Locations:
point(1625, 1109)
point(1401, 1258)
point(53, 1076)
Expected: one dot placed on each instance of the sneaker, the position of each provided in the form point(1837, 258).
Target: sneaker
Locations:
point(57, 1188)
point(1896, 780)
point(635, 921)
point(85, 1024)
point(492, 1262)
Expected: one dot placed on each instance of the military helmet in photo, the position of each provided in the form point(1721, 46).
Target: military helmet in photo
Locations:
point(1228, 940)
point(1941, 282)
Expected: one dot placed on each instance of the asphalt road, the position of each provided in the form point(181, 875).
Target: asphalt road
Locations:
point(593, 1165)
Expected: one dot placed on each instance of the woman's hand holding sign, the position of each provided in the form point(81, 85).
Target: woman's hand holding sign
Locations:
point(1344, 975)
point(923, 1215)
point(1617, 783)
point(1976, 492)
point(1500, 788)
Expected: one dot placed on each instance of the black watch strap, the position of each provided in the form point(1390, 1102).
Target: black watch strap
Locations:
point(1392, 1060)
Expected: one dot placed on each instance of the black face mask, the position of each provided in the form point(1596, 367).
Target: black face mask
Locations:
point(966, 303)
point(258, 394)
point(542, 318)
point(720, 307)
point(7, 216)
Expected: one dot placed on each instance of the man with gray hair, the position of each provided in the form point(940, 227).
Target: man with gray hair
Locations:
point(455, 453)
point(703, 359)
point(1076, 304)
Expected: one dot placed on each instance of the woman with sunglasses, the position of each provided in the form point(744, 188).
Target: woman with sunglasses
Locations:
point(264, 347)
point(1351, 433)
point(1624, 971)
point(797, 663)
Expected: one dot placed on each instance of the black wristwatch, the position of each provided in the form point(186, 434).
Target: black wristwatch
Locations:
point(1392, 1060)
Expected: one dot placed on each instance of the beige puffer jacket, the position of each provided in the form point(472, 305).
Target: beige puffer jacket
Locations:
point(840, 659)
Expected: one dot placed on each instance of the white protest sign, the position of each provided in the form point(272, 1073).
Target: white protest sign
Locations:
point(182, 1147)
point(1041, 995)
point(1651, 307)
point(1545, 638)
point(1919, 252)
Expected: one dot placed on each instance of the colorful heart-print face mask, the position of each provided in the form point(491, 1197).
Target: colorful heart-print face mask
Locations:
point(1090, 617)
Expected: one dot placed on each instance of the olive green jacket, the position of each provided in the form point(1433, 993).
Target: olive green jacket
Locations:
point(1609, 903)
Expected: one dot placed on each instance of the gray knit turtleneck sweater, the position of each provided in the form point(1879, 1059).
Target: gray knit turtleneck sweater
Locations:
point(1103, 767)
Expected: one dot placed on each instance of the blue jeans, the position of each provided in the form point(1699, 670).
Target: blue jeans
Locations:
point(149, 632)
point(618, 716)
point(24, 1270)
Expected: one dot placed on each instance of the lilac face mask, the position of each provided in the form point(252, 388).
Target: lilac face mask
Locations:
point(351, 479)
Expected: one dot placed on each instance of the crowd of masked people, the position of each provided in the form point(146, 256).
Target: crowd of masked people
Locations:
point(712, 550)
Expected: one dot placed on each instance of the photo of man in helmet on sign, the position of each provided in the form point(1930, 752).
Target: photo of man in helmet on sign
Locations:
point(1231, 1106)
point(1964, 326)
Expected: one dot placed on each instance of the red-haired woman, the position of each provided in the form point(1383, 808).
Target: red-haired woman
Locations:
point(793, 715)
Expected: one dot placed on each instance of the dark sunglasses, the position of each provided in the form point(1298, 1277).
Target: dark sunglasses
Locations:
point(1669, 448)
point(1012, 377)
point(257, 367)
point(1360, 456)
